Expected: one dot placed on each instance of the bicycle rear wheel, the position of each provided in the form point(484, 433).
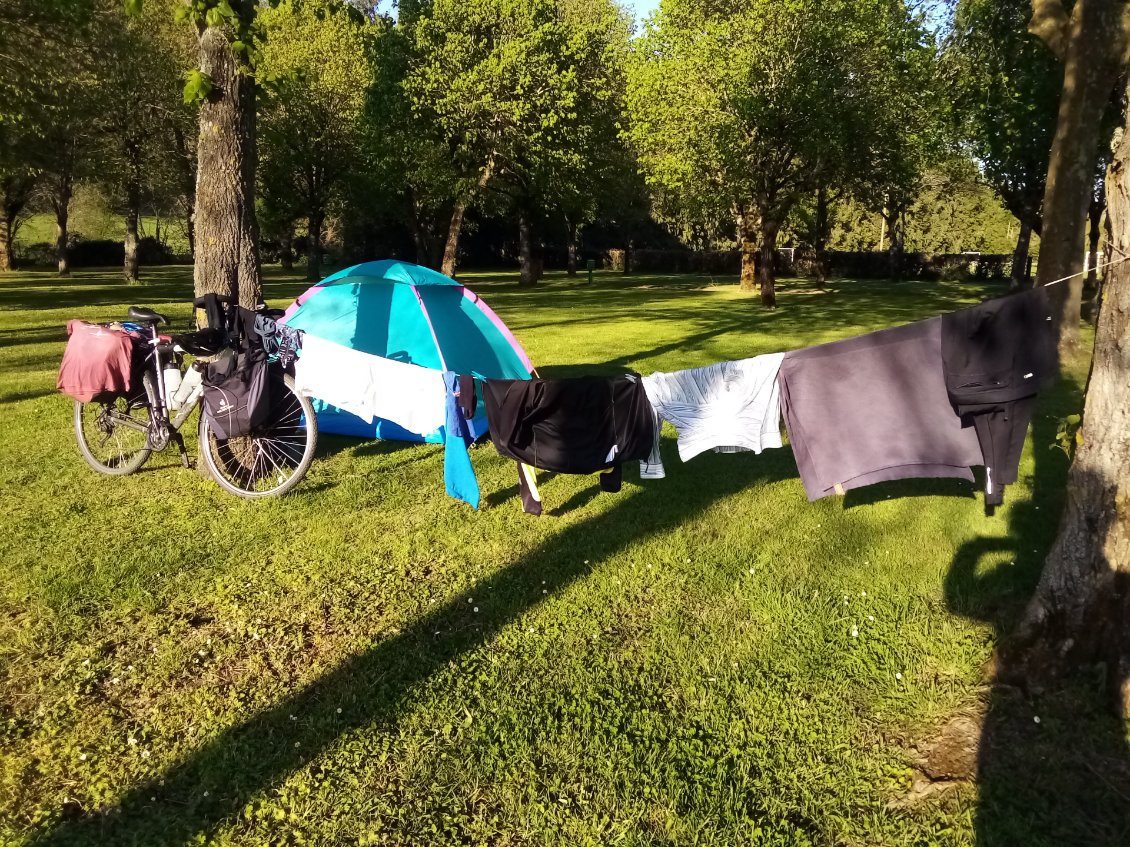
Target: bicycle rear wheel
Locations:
point(274, 459)
point(114, 437)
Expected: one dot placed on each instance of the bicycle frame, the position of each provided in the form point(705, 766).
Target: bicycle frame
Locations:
point(159, 404)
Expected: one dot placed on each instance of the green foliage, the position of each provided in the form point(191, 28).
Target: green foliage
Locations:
point(197, 86)
point(1068, 435)
point(1006, 84)
point(530, 90)
point(742, 107)
point(318, 61)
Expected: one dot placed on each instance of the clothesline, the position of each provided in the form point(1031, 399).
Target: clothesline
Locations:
point(1088, 270)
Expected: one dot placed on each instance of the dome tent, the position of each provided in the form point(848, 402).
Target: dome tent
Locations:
point(407, 313)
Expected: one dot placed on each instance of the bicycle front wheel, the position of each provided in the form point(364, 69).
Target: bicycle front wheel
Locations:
point(272, 460)
point(114, 437)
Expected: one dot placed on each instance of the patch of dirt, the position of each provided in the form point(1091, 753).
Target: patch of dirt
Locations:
point(952, 752)
point(944, 761)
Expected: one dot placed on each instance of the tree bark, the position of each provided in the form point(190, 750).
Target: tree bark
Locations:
point(767, 277)
point(747, 247)
point(61, 202)
point(227, 231)
point(286, 249)
point(821, 235)
point(527, 275)
point(15, 191)
point(186, 165)
point(893, 223)
point(451, 248)
point(6, 263)
point(1095, 221)
point(314, 247)
point(1091, 44)
point(133, 213)
point(1020, 257)
point(571, 247)
point(1081, 611)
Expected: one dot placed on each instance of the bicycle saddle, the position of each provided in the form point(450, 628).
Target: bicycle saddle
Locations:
point(146, 316)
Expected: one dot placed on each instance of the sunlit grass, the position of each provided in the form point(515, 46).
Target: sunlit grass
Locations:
point(707, 659)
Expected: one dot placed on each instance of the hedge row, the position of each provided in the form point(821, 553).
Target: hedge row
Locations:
point(95, 253)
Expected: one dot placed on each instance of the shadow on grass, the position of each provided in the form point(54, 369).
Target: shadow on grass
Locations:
point(1064, 778)
point(193, 798)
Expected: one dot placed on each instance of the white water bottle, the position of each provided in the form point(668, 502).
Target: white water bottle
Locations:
point(191, 380)
point(172, 385)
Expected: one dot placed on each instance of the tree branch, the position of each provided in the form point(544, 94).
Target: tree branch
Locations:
point(1049, 23)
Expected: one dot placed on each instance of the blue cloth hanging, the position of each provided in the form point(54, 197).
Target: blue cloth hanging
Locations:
point(458, 474)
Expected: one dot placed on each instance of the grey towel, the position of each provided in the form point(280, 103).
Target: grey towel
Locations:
point(874, 408)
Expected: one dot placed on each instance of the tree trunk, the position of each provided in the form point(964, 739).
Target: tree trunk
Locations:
point(747, 247)
point(1081, 611)
point(133, 213)
point(15, 191)
point(767, 277)
point(1091, 58)
point(1020, 257)
point(892, 218)
point(186, 166)
point(451, 248)
point(314, 247)
point(61, 201)
point(821, 235)
point(286, 249)
point(571, 247)
point(6, 263)
point(527, 275)
point(227, 243)
point(628, 256)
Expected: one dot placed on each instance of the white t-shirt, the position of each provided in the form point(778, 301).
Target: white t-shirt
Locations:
point(368, 386)
point(727, 407)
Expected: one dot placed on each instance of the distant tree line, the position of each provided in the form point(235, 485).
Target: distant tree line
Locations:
point(522, 130)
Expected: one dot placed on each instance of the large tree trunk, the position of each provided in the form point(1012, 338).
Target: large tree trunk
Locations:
point(227, 231)
point(1090, 44)
point(451, 248)
point(61, 203)
point(314, 247)
point(747, 248)
point(133, 214)
point(821, 244)
point(1081, 611)
point(767, 277)
point(1020, 256)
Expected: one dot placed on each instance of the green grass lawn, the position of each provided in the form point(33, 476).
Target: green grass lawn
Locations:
point(368, 661)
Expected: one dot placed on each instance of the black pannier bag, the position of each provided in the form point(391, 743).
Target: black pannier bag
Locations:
point(237, 396)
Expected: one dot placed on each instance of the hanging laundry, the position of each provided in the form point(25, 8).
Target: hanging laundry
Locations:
point(727, 407)
point(578, 426)
point(997, 357)
point(371, 387)
point(874, 408)
point(280, 342)
point(458, 474)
